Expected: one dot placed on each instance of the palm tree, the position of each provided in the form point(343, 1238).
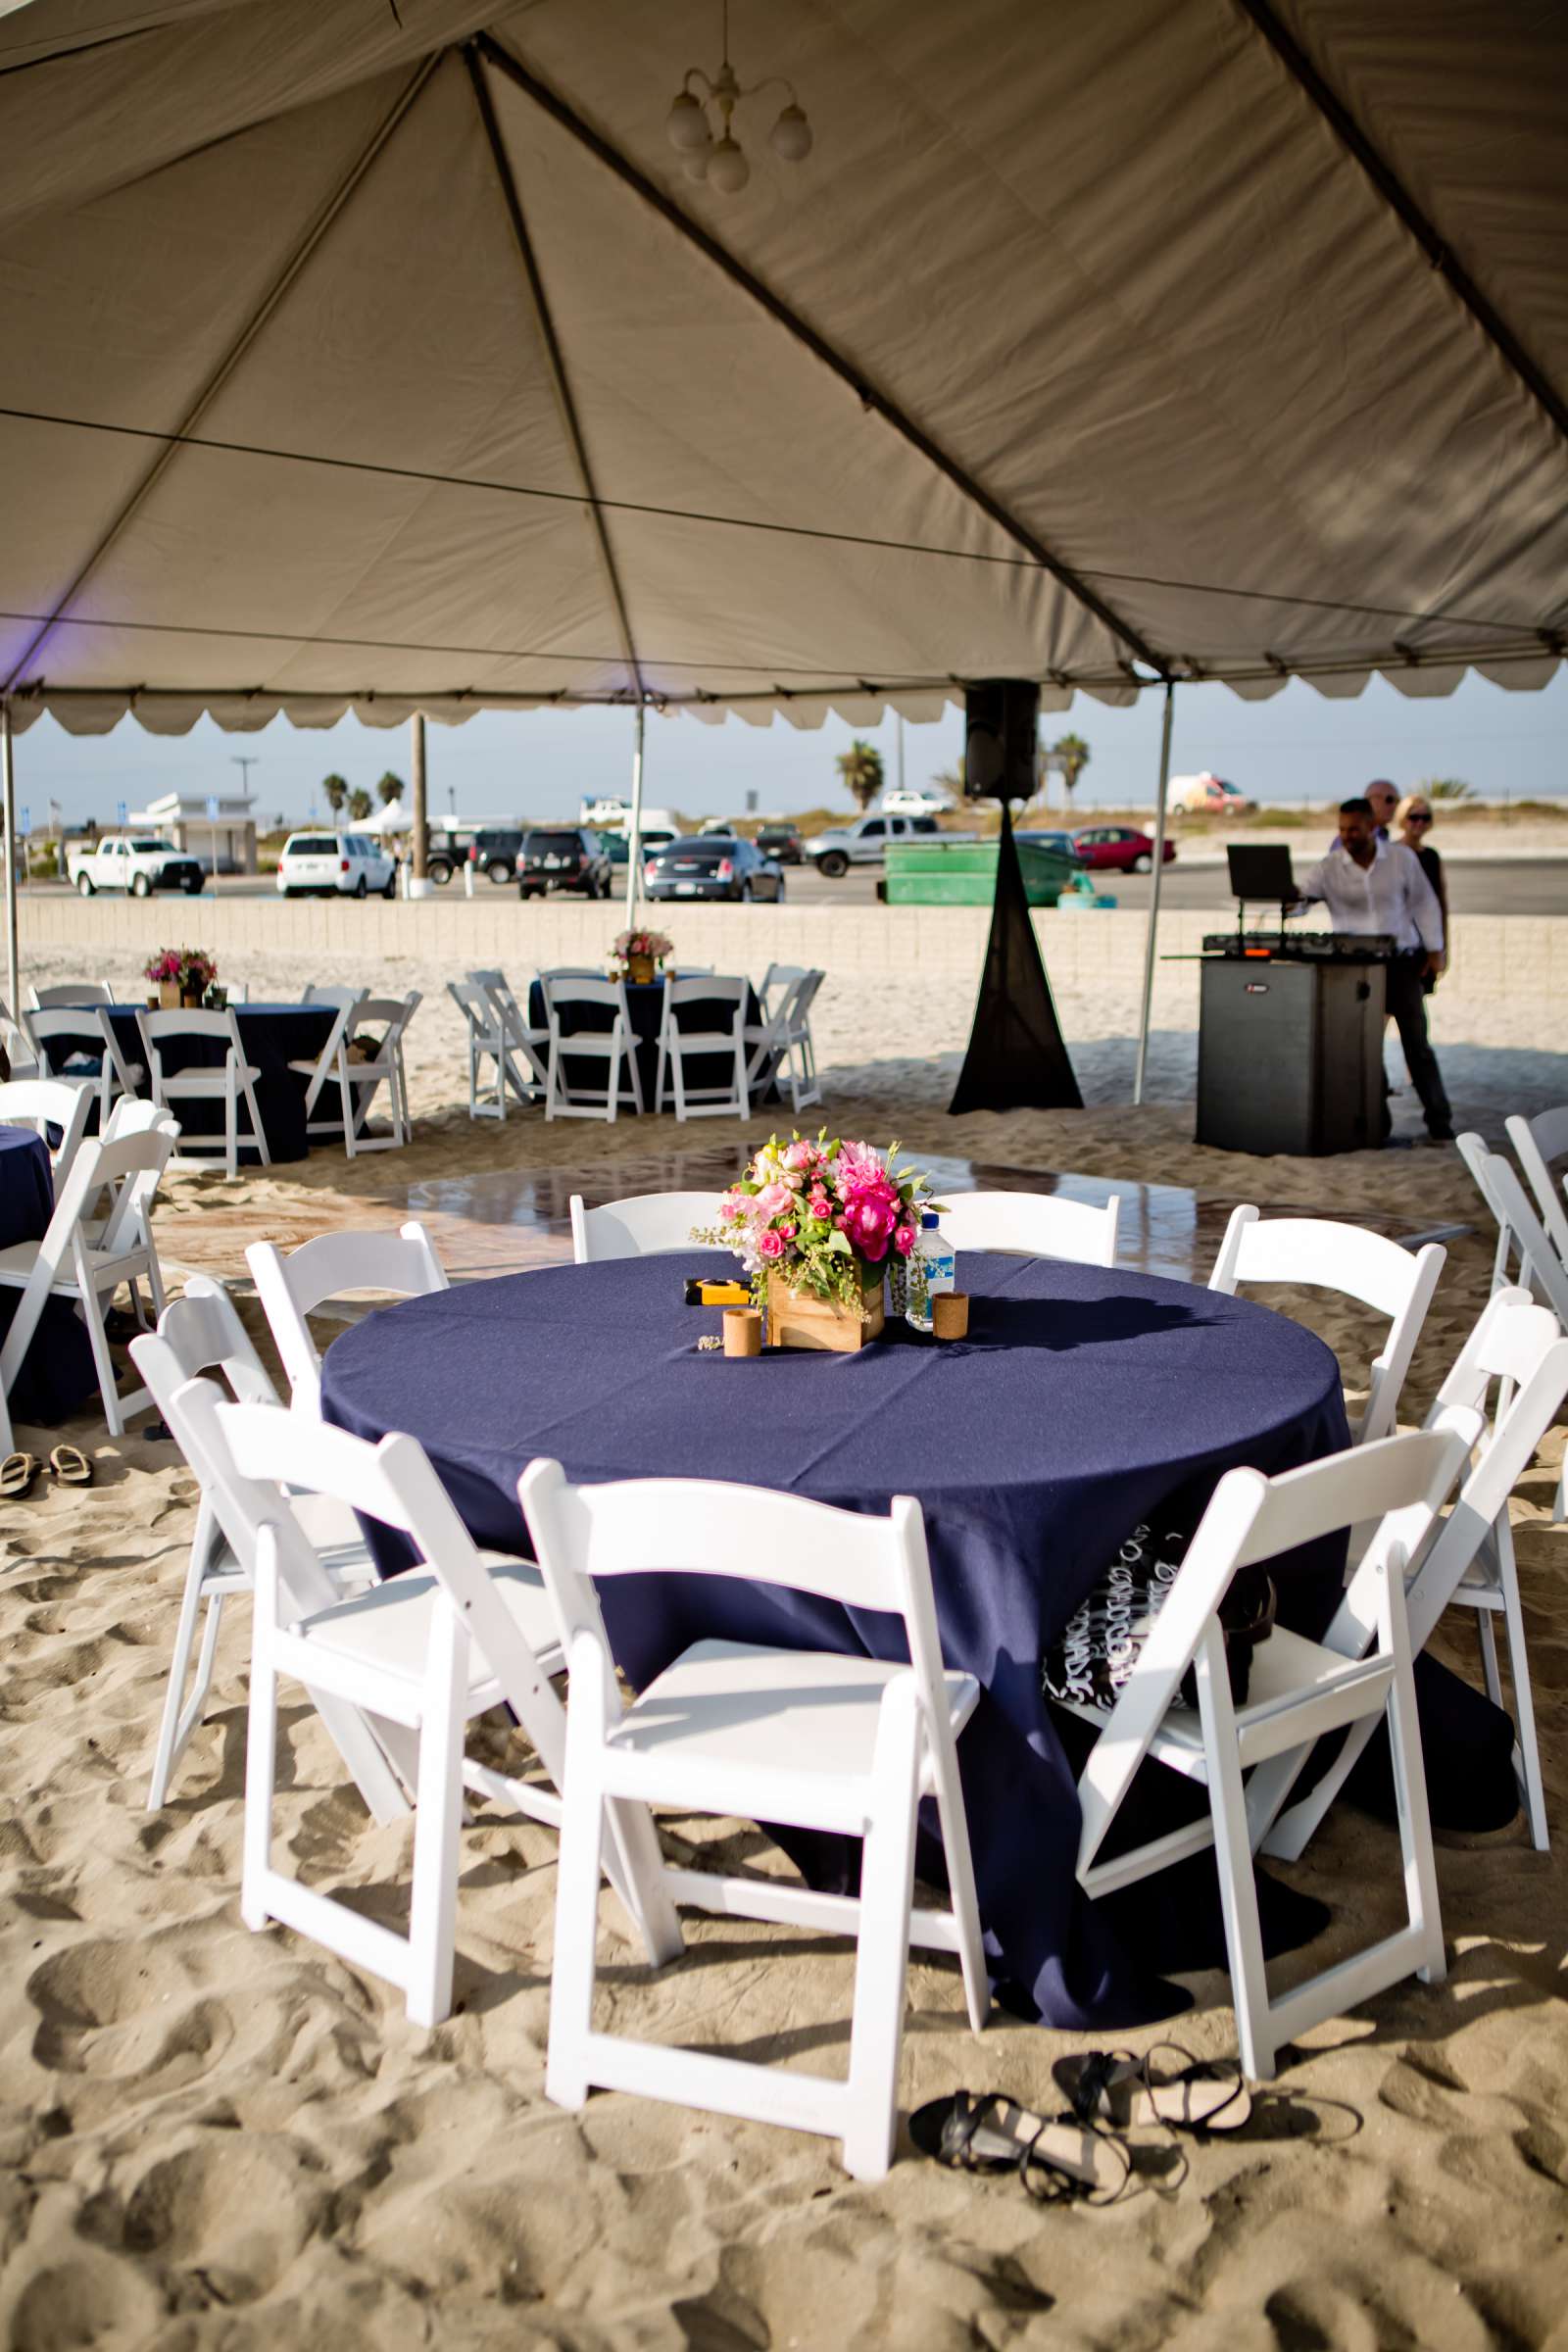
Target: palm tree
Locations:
point(1448, 787)
point(861, 772)
point(359, 803)
point(1072, 758)
point(390, 789)
point(336, 790)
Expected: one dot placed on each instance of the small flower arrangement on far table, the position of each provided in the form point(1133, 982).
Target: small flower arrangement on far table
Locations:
point(183, 975)
point(815, 1224)
point(636, 952)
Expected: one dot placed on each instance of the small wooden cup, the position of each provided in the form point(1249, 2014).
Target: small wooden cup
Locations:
point(743, 1331)
point(950, 1314)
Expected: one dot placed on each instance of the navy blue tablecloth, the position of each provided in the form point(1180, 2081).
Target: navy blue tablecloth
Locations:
point(1083, 1400)
point(271, 1035)
point(57, 1371)
point(645, 1002)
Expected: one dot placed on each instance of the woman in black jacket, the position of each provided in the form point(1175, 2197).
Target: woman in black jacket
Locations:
point(1413, 816)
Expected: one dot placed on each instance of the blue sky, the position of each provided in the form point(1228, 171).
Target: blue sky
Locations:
point(1300, 746)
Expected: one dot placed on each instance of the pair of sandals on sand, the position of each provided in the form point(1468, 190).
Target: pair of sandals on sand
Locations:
point(1082, 2155)
point(68, 1463)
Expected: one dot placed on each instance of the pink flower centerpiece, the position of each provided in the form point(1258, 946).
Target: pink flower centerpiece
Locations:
point(635, 952)
point(824, 1219)
point(187, 973)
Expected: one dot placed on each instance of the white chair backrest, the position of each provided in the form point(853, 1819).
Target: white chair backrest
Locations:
point(159, 1029)
point(1522, 1347)
point(393, 1483)
point(57, 1034)
point(391, 1014)
point(483, 1017)
point(648, 1526)
point(1399, 1484)
point(584, 987)
point(1503, 1190)
point(340, 996)
point(199, 1333)
point(571, 971)
point(71, 992)
point(242, 1505)
point(127, 1173)
point(1537, 1142)
point(332, 1266)
point(1325, 1254)
point(1032, 1225)
point(44, 1102)
point(778, 975)
point(645, 1225)
point(135, 1115)
point(19, 1048)
point(696, 988)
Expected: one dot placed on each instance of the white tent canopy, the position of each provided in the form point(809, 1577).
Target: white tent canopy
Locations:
point(394, 816)
point(372, 358)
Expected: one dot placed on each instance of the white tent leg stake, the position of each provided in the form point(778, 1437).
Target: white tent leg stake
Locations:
point(634, 839)
point(1155, 879)
point(12, 996)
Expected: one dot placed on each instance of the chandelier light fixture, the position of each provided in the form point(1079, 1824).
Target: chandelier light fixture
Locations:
point(723, 160)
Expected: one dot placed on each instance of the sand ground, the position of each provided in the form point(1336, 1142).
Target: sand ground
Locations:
point(215, 2139)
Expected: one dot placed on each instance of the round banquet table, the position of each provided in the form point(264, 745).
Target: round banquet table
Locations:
point(645, 1002)
point(1083, 1400)
point(57, 1371)
point(272, 1036)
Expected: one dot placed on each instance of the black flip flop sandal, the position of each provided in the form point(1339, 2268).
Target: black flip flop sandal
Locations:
point(16, 1474)
point(1057, 2158)
point(1112, 2087)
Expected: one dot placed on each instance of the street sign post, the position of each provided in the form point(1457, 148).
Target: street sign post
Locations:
point(212, 820)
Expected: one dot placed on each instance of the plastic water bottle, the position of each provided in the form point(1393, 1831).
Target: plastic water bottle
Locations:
point(933, 1268)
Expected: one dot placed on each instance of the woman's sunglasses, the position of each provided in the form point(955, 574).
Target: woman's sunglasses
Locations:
point(1419, 816)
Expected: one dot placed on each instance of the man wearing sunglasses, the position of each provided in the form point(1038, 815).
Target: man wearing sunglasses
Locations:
point(1372, 885)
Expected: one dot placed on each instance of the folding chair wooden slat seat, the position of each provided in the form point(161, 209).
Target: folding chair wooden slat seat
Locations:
point(835, 1742)
point(1299, 1690)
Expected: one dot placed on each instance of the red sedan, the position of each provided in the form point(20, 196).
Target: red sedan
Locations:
point(1119, 847)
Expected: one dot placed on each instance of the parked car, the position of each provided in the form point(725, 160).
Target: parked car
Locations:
point(782, 844)
point(863, 842)
point(1121, 847)
point(714, 865)
point(335, 865)
point(448, 853)
point(495, 852)
point(618, 848)
point(914, 804)
point(1207, 796)
point(138, 862)
point(562, 858)
point(1062, 841)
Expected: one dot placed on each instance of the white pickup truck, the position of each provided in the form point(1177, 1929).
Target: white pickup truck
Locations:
point(138, 863)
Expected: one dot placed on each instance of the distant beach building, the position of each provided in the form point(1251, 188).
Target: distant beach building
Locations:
point(225, 841)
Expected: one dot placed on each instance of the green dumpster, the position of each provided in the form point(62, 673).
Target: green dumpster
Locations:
point(945, 871)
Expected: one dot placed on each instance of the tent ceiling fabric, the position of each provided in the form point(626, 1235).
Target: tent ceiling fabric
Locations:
point(1155, 369)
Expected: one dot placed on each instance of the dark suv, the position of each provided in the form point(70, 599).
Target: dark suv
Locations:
point(446, 851)
point(781, 843)
point(496, 849)
point(562, 858)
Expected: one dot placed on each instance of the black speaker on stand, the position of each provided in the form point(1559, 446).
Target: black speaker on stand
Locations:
point(1017, 1059)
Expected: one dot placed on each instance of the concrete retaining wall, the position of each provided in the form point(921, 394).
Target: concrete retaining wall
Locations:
point(1493, 959)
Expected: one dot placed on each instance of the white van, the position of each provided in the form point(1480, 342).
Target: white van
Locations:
point(335, 865)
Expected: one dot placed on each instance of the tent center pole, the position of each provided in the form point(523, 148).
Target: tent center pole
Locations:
point(8, 762)
point(1156, 878)
point(420, 884)
point(634, 833)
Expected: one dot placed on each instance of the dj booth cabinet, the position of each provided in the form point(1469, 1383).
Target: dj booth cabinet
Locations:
point(1290, 1056)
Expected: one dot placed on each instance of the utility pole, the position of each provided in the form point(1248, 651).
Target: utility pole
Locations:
point(245, 761)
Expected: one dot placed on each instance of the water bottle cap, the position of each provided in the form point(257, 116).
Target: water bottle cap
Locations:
point(928, 1219)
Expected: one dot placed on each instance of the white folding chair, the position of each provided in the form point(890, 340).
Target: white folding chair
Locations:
point(57, 1037)
point(1537, 1142)
point(1300, 1689)
point(18, 1049)
point(678, 1046)
point(834, 1741)
point(333, 1267)
point(644, 1225)
point(779, 1048)
point(1519, 1228)
point(230, 1082)
point(428, 1652)
point(1468, 1560)
point(485, 1043)
point(70, 992)
point(382, 1067)
point(1325, 1254)
point(44, 1102)
point(778, 975)
point(526, 1049)
point(1032, 1225)
point(615, 1047)
point(327, 1068)
point(85, 1257)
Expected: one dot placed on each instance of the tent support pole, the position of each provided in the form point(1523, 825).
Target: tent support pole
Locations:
point(634, 840)
point(1499, 333)
point(1156, 878)
point(790, 321)
point(8, 758)
point(419, 885)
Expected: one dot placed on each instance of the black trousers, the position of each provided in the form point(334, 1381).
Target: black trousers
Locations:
point(1408, 1010)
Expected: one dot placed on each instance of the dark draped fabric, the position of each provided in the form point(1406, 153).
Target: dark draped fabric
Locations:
point(1017, 1059)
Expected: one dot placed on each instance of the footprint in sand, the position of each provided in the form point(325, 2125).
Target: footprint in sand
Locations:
point(126, 2011)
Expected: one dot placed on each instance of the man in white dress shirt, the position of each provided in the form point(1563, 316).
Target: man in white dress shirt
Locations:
point(1373, 885)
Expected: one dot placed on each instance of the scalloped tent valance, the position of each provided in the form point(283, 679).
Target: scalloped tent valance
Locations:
point(358, 363)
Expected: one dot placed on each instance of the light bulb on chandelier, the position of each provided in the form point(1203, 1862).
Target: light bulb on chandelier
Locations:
point(721, 161)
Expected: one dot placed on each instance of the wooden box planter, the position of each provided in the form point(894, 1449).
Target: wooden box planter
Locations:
point(640, 970)
point(797, 1319)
